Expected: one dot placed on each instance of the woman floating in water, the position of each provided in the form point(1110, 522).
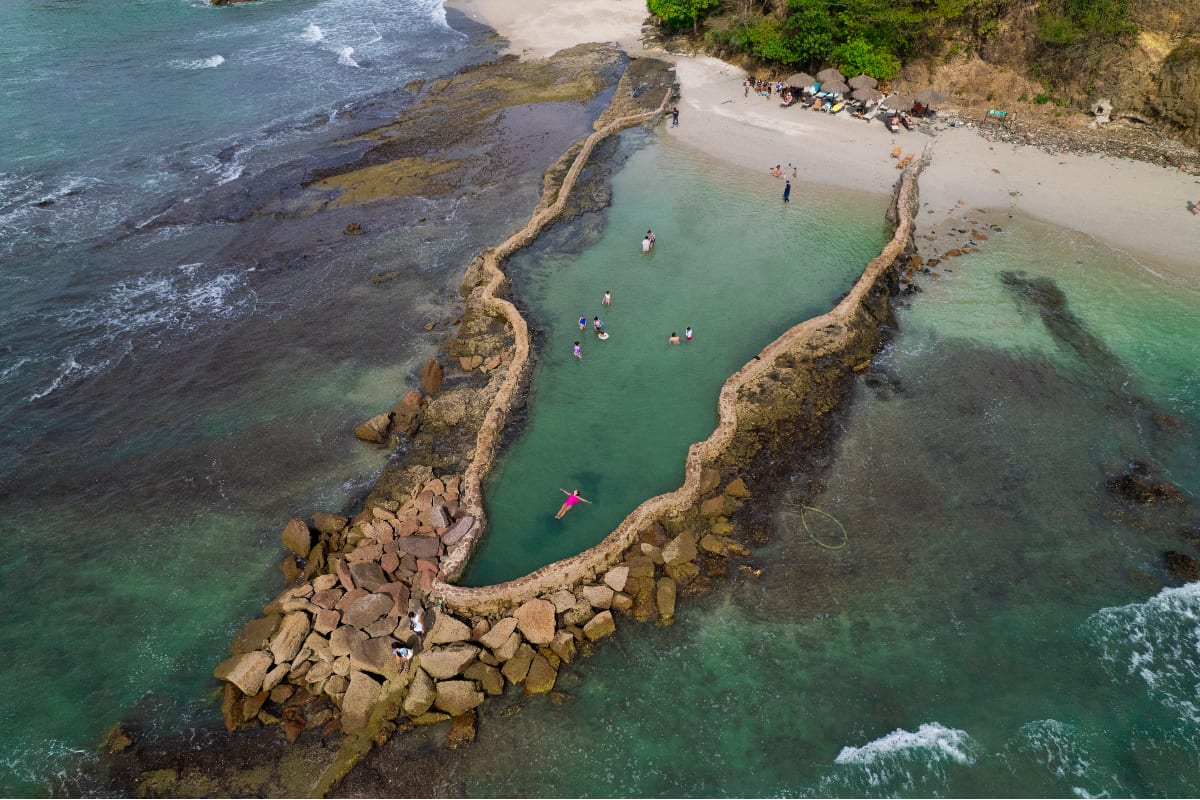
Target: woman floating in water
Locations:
point(572, 500)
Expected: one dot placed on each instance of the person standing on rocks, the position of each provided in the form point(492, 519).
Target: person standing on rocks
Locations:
point(403, 656)
point(416, 621)
point(572, 500)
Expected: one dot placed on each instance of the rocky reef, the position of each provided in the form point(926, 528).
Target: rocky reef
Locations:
point(320, 658)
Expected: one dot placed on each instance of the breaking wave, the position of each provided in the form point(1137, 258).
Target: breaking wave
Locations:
point(902, 761)
point(1155, 644)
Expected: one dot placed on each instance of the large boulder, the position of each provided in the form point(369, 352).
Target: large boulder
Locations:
point(600, 597)
point(365, 610)
point(457, 697)
point(375, 429)
point(373, 655)
point(680, 549)
point(255, 634)
point(420, 546)
point(458, 530)
point(245, 670)
point(421, 694)
point(297, 537)
point(1181, 565)
point(509, 649)
point(360, 698)
point(285, 644)
point(329, 524)
point(406, 416)
point(431, 377)
point(368, 575)
point(600, 626)
point(665, 599)
point(341, 640)
point(517, 667)
point(541, 676)
point(447, 629)
point(535, 619)
point(563, 646)
point(615, 578)
point(498, 635)
point(449, 661)
point(487, 676)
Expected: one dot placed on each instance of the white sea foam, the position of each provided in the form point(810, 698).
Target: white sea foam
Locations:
point(346, 57)
point(1065, 752)
point(1155, 644)
point(69, 371)
point(313, 33)
point(902, 760)
point(200, 63)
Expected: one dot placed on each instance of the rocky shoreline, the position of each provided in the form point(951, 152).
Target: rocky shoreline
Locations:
point(320, 658)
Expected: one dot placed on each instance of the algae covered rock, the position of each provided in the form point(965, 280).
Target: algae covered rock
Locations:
point(600, 626)
point(361, 695)
point(541, 676)
point(421, 694)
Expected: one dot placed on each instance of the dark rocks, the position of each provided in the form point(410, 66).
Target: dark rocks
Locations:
point(1137, 486)
point(375, 429)
point(1182, 566)
point(365, 610)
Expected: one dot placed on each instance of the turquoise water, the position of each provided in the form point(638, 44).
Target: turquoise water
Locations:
point(732, 261)
point(996, 625)
point(171, 393)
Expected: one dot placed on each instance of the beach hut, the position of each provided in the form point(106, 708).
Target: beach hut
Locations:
point(929, 97)
point(831, 74)
point(801, 80)
point(835, 87)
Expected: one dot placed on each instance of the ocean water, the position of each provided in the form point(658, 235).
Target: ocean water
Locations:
point(731, 261)
point(961, 610)
point(179, 375)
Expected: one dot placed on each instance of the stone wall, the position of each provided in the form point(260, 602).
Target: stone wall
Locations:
point(843, 338)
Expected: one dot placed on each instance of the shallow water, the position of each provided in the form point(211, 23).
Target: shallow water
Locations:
point(171, 393)
point(731, 260)
point(995, 623)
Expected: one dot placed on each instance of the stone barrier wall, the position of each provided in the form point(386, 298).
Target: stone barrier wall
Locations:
point(813, 339)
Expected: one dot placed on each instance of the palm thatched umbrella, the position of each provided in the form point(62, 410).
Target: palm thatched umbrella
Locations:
point(839, 86)
point(862, 82)
point(898, 102)
point(831, 74)
point(866, 94)
point(929, 97)
point(801, 79)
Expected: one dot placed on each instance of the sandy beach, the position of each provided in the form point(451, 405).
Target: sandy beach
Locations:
point(1134, 207)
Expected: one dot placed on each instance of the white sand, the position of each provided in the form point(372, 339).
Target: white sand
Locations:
point(1132, 206)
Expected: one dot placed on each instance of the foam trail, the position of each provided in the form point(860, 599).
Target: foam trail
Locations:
point(901, 760)
point(201, 63)
point(313, 33)
point(346, 57)
point(1157, 644)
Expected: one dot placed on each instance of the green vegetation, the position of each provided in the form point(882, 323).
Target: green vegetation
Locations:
point(682, 13)
point(877, 36)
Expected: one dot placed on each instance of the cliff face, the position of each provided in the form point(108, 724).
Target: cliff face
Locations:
point(1154, 78)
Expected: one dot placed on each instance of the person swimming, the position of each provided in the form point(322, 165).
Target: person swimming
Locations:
point(578, 351)
point(572, 500)
point(687, 333)
point(673, 338)
point(607, 297)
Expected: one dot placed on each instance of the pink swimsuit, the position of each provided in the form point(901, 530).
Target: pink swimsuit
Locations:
point(572, 500)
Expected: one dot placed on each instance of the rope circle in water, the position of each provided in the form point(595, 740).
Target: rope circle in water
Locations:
point(813, 536)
